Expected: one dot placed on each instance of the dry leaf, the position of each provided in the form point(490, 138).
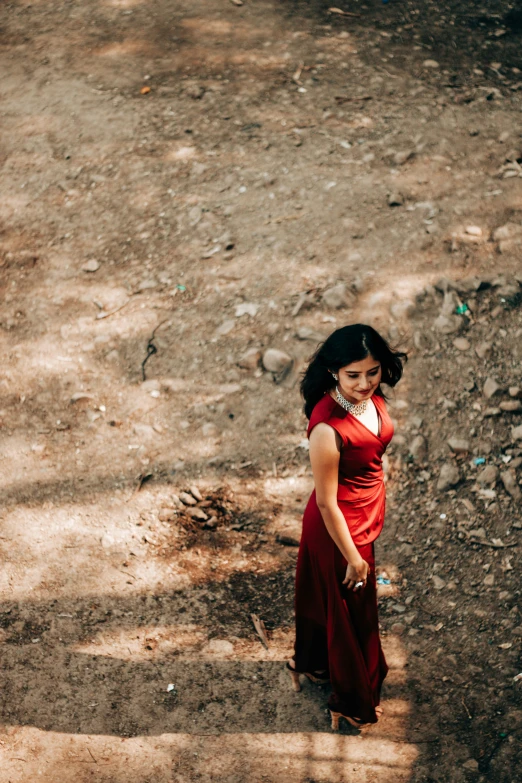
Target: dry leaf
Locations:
point(260, 629)
point(506, 645)
point(341, 12)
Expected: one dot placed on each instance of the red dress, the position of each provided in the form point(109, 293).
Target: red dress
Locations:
point(337, 629)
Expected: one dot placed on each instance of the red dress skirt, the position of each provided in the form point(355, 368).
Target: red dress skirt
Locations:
point(337, 629)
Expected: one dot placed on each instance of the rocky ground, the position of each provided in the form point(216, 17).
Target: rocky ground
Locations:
point(192, 196)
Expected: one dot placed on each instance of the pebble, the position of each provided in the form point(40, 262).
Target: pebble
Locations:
point(144, 430)
point(166, 515)
point(91, 266)
point(458, 445)
point(448, 324)
point(488, 476)
point(509, 480)
point(402, 309)
point(430, 64)
point(471, 765)
point(449, 476)
point(197, 513)
point(225, 328)
point(461, 344)
point(250, 360)
point(489, 580)
point(194, 491)
point(209, 430)
point(474, 231)
point(514, 391)
point(187, 499)
point(490, 388)
point(246, 308)
point(395, 200)
point(418, 448)
point(483, 350)
point(516, 433)
point(305, 333)
point(338, 296)
point(398, 628)
point(220, 646)
point(438, 583)
point(511, 406)
point(277, 361)
point(402, 157)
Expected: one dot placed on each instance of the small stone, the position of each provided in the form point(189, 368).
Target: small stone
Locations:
point(430, 64)
point(461, 344)
point(187, 499)
point(246, 308)
point(490, 413)
point(338, 296)
point(194, 90)
point(287, 540)
point(516, 433)
point(402, 157)
point(250, 360)
point(489, 580)
point(305, 333)
point(514, 391)
point(419, 449)
point(144, 430)
point(511, 406)
point(197, 513)
point(474, 231)
point(508, 231)
point(395, 200)
point(509, 480)
point(147, 285)
point(488, 476)
point(91, 266)
point(225, 328)
point(438, 583)
point(490, 388)
point(483, 350)
point(471, 765)
point(398, 628)
point(402, 309)
point(166, 514)
point(459, 445)
point(449, 476)
point(220, 647)
point(277, 361)
point(209, 430)
point(194, 491)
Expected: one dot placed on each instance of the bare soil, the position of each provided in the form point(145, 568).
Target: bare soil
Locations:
point(182, 182)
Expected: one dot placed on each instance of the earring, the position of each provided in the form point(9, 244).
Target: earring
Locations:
point(335, 377)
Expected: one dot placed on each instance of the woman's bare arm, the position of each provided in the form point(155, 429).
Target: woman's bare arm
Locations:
point(324, 457)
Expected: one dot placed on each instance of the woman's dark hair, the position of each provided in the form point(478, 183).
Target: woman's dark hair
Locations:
point(346, 345)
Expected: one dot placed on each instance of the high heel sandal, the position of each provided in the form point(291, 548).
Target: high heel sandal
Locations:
point(352, 721)
point(312, 676)
point(355, 722)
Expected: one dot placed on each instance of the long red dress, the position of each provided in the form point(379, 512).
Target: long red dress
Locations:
point(337, 629)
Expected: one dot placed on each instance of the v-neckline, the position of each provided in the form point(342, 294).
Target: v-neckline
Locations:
point(379, 418)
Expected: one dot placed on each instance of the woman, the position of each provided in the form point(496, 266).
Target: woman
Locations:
point(337, 629)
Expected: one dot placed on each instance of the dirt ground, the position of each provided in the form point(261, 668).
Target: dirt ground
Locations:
point(184, 186)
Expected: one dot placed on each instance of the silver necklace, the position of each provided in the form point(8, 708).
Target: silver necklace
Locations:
point(355, 410)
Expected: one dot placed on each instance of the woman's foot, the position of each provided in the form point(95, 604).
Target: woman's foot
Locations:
point(379, 711)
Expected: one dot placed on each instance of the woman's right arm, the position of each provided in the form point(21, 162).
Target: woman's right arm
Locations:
point(325, 446)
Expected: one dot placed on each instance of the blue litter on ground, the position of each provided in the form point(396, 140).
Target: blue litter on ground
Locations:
point(381, 580)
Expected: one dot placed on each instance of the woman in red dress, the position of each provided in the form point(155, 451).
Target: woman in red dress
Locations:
point(337, 628)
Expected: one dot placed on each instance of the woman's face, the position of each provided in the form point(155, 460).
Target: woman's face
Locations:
point(359, 380)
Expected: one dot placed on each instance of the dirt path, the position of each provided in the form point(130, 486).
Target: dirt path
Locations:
point(185, 186)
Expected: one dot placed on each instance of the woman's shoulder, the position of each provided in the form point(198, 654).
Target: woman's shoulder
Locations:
point(325, 411)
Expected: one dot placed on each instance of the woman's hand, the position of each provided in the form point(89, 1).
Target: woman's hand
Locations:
point(357, 572)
